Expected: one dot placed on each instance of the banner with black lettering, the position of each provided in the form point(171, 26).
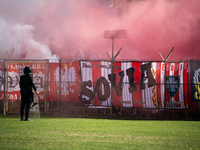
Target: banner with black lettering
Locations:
point(195, 79)
point(14, 69)
point(94, 81)
point(135, 84)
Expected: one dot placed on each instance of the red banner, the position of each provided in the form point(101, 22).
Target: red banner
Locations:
point(15, 69)
point(69, 77)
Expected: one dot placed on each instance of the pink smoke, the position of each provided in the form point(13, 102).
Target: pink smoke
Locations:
point(75, 29)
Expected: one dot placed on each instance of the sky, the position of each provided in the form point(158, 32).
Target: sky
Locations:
point(74, 29)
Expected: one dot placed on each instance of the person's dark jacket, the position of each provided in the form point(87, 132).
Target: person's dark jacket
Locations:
point(26, 84)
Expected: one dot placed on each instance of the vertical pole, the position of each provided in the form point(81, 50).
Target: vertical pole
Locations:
point(4, 87)
point(187, 91)
point(198, 98)
point(59, 85)
point(95, 103)
point(47, 86)
point(133, 107)
point(185, 101)
point(145, 100)
point(133, 104)
point(111, 106)
point(165, 92)
point(158, 101)
point(6, 79)
point(69, 99)
point(56, 96)
point(172, 107)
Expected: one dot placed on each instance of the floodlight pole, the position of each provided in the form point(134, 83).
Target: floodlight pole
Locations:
point(112, 36)
point(112, 64)
point(165, 61)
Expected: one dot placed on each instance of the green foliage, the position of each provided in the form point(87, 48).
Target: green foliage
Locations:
point(79, 133)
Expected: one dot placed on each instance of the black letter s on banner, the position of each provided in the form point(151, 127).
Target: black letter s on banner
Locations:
point(87, 92)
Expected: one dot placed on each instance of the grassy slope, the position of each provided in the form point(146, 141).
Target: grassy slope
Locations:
point(77, 133)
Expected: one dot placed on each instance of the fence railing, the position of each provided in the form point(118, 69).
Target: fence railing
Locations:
point(83, 88)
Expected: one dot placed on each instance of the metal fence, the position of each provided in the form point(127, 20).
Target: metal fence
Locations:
point(82, 88)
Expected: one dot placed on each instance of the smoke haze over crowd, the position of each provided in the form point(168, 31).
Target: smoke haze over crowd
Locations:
point(39, 29)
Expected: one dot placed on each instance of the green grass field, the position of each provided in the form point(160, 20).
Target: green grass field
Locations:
point(80, 133)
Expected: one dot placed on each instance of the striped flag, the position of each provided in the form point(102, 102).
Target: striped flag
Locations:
point(135, 84)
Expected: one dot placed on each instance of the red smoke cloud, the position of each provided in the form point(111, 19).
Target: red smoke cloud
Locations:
point(75, 28)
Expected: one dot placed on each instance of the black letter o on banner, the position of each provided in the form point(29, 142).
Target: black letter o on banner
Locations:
point(106, 89)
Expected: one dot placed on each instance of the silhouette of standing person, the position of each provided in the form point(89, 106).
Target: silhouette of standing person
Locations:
point(26, 85)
